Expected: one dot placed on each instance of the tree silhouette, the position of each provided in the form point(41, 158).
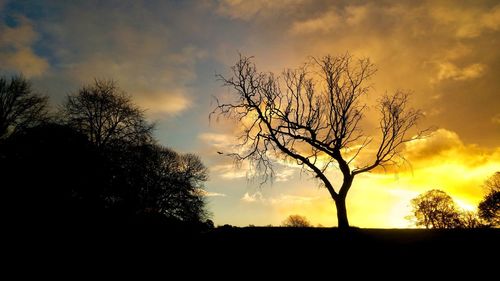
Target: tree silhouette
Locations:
point(489, 207)
point(54, 174)
point(151, 179)
point(435, 209)
point(99, 164)
point(143, 178)
point(106, 115)
point(20, 107)
point(493, 183)
point(51, 173)
point(469, 219)
point(296, 221)
point(311, 116)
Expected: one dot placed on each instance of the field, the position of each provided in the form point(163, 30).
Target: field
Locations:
point(265, 251)
point(314, 248)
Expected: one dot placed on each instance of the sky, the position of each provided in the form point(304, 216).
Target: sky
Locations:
point(166, 55)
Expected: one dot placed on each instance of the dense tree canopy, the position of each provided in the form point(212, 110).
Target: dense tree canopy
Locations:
point(435, 209)
point(492, 184)
point(153, 179)
point(296, 221)
point(98, 163)
point(489, 207)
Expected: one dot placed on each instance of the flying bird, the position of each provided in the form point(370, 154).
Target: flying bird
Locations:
point(220, 152)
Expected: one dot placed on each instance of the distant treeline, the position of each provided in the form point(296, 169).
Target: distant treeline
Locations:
point(92, 161)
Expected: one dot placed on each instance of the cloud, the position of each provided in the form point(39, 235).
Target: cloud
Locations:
point(230, 171)
point(277, 201)
point(164, 54)
point(410, 46)
point(211, 194)
point(256, 197)
point(414, 45)
point(450, 71)
point(24, 61)
point(444, 52)
point(244, 170)
point(248, 10)
point(19, 36)
point(158, 105)
point(16, 49)
point(156, 76)
point(435, 145)
point(333, 19)
point(292, 199)
point(442, 161)
point(468, 22)
point(285, 174)
point(322, 24)
point(218, 140)
point(445, 146)
point(2, 4)
point(134, 44)
point(218, 149)
point(496, 119)
point(357, 14)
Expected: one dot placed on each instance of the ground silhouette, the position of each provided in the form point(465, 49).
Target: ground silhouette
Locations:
point(258, 251)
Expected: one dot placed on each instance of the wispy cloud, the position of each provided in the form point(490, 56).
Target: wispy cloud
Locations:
point(161, 104)
point(217, 140)
point(251, 198)
point(230, 171)
point(285, 174)
point(211, 194)
point(282, 199)
point(257, 9)
point(496, 119)
point(449, 70)
point(129, 43)
point(325, 23)
point(468, 22)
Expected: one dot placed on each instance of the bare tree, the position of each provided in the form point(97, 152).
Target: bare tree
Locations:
point(311, 116)
point(435, 209)
point(106, 115)
point(296, 221)
point(20, 108)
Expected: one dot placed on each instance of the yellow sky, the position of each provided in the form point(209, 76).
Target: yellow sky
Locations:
point(377, 199)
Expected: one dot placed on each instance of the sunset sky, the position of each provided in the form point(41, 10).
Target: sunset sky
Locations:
point(165, 54)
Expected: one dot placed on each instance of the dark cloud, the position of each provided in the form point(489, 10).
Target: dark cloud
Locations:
point(444, 52)
point(133, 43)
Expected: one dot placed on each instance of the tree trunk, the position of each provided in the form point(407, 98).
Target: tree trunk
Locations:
point(342, 221)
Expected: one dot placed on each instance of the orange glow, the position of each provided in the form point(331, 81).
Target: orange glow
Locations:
point(381, 200)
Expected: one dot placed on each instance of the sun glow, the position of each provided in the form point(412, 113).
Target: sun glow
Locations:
point(382, 198)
